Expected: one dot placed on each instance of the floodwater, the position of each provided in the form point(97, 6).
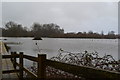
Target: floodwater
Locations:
point(50, 46)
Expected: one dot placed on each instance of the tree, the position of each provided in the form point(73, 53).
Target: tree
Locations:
point(90, 32)
point(14, 30)
point(47, 30)
point(111, 33)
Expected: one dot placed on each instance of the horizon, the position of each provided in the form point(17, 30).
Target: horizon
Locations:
point(30, 28)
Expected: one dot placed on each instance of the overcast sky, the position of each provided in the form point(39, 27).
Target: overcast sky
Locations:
point(73, 17)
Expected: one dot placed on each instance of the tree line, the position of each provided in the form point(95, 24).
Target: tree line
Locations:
point(51, 30)
point(13, 29)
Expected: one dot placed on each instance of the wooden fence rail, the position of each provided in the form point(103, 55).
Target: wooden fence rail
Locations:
point(42, 62)
point(86, 72)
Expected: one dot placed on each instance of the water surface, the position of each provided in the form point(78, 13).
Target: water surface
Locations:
point(50, 46)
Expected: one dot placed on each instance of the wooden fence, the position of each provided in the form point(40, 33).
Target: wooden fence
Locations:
point(42, 62)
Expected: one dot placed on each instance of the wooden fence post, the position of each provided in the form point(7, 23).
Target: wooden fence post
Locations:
point(14, 60)
point(21, 65)
point(41, 72)
point(12, 55)
point(0, 66)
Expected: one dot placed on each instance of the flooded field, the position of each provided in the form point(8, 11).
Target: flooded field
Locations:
point(50, 46)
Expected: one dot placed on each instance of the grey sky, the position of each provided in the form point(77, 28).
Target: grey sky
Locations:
point(73, 17)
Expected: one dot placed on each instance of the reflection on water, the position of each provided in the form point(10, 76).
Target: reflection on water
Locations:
point(50, 46)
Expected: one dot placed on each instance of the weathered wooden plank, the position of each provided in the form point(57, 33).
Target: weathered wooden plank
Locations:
point(0, 66)
point(2, 48)
point(6, 63)
point(21, 65)
point(10, 56)
point(41, 72)
point(30, 58)
point(86, 72)
point(14, 60)
point(10, 71)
